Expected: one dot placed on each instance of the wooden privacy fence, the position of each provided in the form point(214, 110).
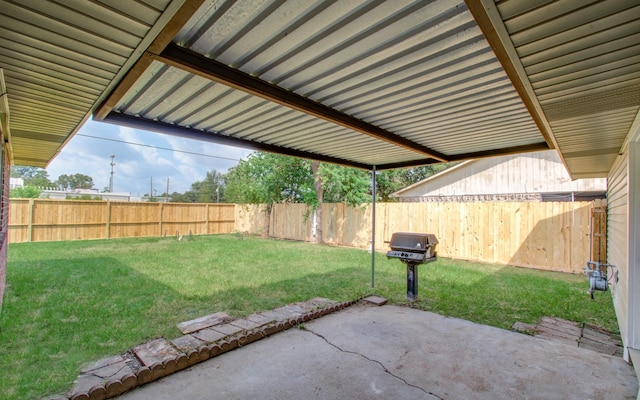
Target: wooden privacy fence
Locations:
point(559, 236)
point(545, 235)
point(37, 220)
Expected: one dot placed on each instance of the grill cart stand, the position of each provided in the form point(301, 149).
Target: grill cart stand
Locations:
point(413, 249)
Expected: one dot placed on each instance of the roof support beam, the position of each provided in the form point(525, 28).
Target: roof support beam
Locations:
point(469, 156)
point(490, 22)
point(501, 152)
point(213, 137)
point(168, 32)
point(195, 63)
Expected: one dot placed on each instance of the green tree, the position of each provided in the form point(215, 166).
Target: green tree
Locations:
point(210, 189)
point(75, 181)
point(265, 178)
point(32, 176)
point(24, 172)
point(390, 181)
point(186, 197)
point(345, 185)
point(337, 184)
point(25, 192)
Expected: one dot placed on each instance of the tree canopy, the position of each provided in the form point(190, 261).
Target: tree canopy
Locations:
point(25, 192)
point(266, 178)
point(75, 181)
point(209, 190)
point(390, 181)
point(345, 185)
point(32, 176)
point(270, 178)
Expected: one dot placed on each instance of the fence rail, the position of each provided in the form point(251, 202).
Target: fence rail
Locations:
point(38, 220)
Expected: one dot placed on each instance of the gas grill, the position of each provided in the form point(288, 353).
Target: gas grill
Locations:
point(413, 249)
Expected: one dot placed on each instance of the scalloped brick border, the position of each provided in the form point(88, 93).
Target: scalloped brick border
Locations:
point(146, 374)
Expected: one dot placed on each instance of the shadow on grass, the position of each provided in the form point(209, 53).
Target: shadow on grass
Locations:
point(61, 314)
point(557, 243)
point(500, 296)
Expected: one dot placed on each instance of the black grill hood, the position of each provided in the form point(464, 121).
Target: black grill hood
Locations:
point(414, 242)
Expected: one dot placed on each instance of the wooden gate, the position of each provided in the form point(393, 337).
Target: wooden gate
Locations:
point(599, 233)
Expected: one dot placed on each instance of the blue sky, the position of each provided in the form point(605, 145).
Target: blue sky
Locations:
point(136, 165)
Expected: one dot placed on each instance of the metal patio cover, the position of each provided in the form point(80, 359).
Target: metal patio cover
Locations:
point(361, 83)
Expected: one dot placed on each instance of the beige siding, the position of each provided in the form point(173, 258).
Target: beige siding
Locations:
point(617, 245)
point(536, 172)
point(623, 235)
point(634, 251)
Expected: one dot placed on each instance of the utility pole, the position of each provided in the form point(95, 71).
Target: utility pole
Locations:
point(166, 194)
point(111, 178)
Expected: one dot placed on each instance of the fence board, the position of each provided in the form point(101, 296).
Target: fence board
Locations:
point(221, 218)
point(52, 220)
point(599, 232)
point(553, 236)
point(56, 220)
point(545, 235)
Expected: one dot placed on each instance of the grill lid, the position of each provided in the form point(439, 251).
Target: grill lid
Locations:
point(414, 242)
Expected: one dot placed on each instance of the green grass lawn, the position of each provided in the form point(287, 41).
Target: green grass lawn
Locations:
point(67, 304)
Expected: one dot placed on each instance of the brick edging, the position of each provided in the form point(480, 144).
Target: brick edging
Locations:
point(135, 376)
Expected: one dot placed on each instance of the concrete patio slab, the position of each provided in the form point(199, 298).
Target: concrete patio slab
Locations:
point(366, 352)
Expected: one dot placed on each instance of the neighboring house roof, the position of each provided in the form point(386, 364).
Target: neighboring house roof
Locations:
point(367, 84)
point(535, 172)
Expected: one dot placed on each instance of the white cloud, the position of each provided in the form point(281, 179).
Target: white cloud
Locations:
point(136, 165)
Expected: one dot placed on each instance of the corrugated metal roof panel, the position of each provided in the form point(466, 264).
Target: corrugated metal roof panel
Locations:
point(583, 61)
point(161, 93)
point(365, 82)
point(398, 65)
point(58, 60)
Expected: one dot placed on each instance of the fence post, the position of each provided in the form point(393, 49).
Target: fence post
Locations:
point(206, 219)
point(598, 245)
point(30, 226)
point(160, 218)
point(108, 227)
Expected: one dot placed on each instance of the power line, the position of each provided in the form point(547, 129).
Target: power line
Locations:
point(157, 147)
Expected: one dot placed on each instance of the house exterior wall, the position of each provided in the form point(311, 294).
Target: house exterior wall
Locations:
point(623, 225)
point(617, 244)
point(536, 172)
point(634, 249)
